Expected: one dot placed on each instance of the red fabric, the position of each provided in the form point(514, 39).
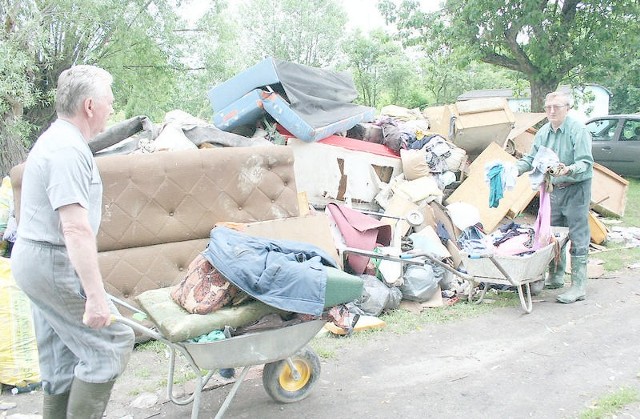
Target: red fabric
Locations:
point(359, 145)
point(349, 144)
point(359, 231)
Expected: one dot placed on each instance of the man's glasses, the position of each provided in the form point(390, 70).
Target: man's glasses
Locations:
point(554, 107)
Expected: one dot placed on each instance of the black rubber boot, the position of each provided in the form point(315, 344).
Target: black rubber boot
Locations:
point(88, 400)
point(54, 406)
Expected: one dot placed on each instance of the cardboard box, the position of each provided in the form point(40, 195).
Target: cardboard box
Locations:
point(480, 122)
point(608, 192)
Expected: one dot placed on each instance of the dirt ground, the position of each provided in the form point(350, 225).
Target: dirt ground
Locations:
point(553, 363)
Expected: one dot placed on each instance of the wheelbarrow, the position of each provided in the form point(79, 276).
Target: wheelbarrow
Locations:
point(488, 268)
point(520, 272)
point(291, 368)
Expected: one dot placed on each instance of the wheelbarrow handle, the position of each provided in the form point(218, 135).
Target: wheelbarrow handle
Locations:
point(125, 304)
point(438, 262)
point(140, 328)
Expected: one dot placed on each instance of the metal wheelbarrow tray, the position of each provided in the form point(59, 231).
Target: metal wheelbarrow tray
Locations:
point(517, 271)
point(291, 368)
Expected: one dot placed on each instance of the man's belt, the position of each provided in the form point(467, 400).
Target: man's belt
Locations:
point(563, 185)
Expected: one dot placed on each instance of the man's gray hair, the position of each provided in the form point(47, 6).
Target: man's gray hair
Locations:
point(78, 83)
point(566, 96)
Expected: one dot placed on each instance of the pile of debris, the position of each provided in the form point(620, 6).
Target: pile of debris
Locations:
point(399, 162)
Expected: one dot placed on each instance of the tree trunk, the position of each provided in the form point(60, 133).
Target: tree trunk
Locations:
point(12, 146)
point(13, 151)
point(538, 92)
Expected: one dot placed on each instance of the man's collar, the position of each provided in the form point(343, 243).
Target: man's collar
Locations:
point(562, 126)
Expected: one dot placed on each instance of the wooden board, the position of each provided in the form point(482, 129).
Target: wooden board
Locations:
point(597, 229)
point(313, 229)
point(364, 323)
point(608, 192)
point(475, 190)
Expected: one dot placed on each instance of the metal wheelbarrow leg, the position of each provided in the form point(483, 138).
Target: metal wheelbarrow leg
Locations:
point(291, 368)
point(524, 289)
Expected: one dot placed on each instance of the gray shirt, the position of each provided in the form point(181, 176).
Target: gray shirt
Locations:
point(59, 171)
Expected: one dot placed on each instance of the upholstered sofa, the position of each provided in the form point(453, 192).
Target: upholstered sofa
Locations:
point(158, 209)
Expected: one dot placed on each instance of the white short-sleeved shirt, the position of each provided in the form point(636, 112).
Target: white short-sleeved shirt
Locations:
point(59, 171)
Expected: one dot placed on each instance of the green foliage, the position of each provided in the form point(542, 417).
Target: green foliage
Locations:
point(618, 67)
point(547, 42)
point(214, 54)
point(304, 32)
point(379, 66)
point(141, 43)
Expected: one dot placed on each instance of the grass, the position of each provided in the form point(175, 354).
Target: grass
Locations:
point(632, 209)
point(617, 256)
point(152, 346)
point(402, 322)
point(609, 405)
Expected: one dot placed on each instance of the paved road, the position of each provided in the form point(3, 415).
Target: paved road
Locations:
point(552, 363)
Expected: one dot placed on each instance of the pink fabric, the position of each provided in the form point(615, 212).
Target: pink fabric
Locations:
point(513, 246)
point(542, 227)
point(360, 231)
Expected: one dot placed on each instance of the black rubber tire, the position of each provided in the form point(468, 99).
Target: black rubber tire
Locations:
point(280, 385)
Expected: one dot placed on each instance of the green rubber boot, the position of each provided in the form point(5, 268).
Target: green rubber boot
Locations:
point(88, 400)
point(54, 406)
point(555, 279)
point(578, 290)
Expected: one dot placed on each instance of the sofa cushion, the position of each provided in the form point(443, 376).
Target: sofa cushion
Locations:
point(177, 325)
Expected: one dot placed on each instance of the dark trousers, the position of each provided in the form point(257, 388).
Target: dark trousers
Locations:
point(570, 208)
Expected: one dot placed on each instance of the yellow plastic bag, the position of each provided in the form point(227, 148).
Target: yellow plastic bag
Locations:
point(18, 349)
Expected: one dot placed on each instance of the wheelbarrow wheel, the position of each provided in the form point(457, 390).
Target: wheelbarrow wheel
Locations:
point(282, 385)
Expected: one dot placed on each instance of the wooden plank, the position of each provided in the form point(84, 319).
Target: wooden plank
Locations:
point(519, 204)
point(475, 190)
point(363, 323)
point(608, 191)
point(597, 229)
point(312, 229)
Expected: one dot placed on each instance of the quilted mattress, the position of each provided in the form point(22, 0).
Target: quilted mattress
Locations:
point(158, 209)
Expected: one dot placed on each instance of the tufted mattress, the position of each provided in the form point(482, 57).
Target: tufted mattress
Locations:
point(158, 209)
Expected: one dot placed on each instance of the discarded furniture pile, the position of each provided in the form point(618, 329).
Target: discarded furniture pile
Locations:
point(391, 204)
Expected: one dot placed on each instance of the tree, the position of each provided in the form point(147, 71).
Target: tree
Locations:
point(618, 69)
point(214, 53)
point(304, 32)
point(133, 39)
point(379, 66)
point(548, 41)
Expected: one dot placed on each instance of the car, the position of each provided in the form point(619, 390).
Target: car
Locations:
point(616, 143)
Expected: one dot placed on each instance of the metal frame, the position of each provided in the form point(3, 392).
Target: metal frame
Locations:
point(244, 351)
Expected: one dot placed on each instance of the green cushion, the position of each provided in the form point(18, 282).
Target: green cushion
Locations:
point(177, 325)
point(341, 287)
